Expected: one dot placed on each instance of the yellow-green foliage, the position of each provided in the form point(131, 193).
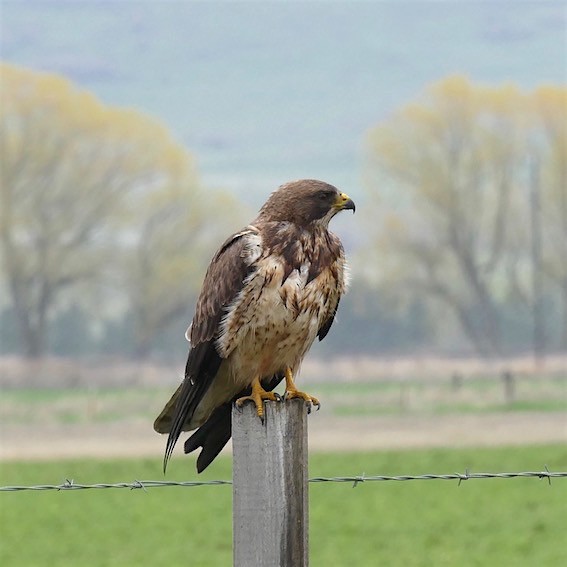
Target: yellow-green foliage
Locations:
point(453, 172)
point(93, 194)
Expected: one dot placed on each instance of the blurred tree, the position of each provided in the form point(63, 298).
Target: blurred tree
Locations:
point(379, 322)
point(549, 144)
point(70, 332)
point(167, 262)
point(457, 165)
point(82, 187)
point(117, 335)
point(9, 343)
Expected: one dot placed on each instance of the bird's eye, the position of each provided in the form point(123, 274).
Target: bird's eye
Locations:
point(324, 196)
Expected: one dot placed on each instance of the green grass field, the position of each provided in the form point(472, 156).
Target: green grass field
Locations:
point(517, 522)
point(544, 392)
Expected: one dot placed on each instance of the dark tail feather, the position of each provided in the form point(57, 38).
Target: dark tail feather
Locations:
point(180, 414)
point(213, 435)
point(203, 359)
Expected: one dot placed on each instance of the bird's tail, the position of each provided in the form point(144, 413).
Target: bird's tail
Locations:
point(163, 422)
point(213, 435)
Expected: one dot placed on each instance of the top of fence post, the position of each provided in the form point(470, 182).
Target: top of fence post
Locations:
point(270, 485)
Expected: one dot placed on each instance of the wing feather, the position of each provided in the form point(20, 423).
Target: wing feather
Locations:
point(326, 326)
point(223, 281)
point(340, 273)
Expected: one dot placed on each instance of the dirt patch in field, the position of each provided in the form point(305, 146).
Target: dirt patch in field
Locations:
point(136, 438)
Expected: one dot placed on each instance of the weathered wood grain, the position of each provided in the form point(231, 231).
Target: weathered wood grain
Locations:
point(270, 485)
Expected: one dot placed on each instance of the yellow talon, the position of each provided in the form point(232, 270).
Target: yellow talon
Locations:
point(258, 396)
point(291, 391)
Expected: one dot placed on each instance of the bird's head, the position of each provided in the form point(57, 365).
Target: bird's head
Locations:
point(306, 202)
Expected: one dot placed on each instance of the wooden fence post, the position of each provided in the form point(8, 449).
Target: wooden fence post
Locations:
point(509, 387)
point(457, 381)
point(270, 485)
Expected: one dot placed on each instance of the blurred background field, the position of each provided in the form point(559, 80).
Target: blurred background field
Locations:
point(366, 405)
point(372, 396)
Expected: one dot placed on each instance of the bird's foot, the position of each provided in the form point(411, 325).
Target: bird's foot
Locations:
point(258, 396)
point(291, 393)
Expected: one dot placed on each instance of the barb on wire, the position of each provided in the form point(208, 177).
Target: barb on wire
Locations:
point(456, 476)
point(70, 484)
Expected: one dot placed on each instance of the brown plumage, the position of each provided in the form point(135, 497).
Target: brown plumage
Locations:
point(270, 290)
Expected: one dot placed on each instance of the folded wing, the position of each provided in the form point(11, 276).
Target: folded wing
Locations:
point(224, 279)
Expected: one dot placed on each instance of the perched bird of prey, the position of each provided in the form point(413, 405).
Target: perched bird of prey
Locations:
point(269, 291)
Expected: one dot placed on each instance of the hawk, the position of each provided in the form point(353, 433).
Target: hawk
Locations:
point(269, 291)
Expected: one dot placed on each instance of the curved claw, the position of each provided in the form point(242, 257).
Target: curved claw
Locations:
point(309, 400)
point(291, 392)
point(258, 396)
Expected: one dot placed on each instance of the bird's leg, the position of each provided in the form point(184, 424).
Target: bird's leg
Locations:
point(258, 396)
point(292, 392)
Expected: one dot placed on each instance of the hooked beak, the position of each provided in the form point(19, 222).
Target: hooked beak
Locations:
point(343, 203)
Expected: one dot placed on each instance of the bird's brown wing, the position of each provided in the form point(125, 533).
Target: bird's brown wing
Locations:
point(326, 326)
point(223, 281)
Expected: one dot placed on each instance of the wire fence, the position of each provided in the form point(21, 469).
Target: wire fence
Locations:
point(70, 484)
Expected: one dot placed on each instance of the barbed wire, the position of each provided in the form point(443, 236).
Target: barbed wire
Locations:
point(70, 484)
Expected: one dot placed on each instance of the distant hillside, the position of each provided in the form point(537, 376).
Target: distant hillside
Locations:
point(267, 92)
